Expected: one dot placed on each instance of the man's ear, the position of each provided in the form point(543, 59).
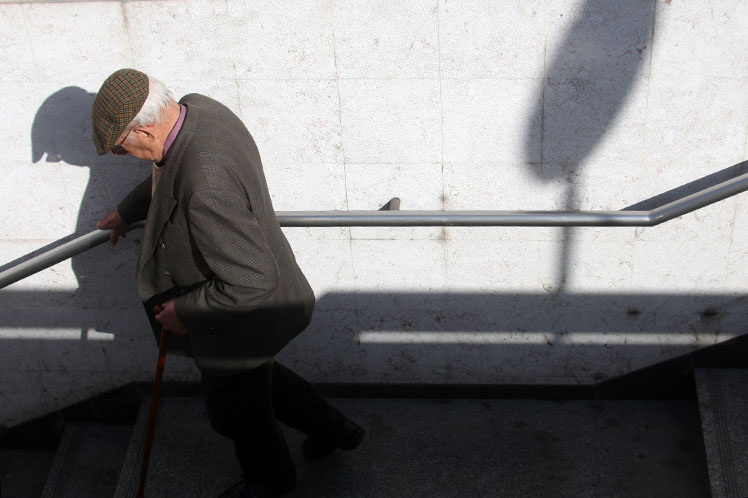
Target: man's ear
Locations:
point(146, 132)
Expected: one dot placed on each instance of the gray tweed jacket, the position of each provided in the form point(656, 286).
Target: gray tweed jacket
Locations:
point(212, 240)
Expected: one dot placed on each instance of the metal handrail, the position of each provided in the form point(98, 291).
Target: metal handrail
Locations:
point(396, 218)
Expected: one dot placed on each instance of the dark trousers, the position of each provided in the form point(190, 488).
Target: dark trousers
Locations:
point(247, 407)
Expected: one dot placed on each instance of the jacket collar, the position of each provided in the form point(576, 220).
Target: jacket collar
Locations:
point(165, 196)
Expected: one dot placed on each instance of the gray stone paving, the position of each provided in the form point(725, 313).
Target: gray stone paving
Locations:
point(450, 448)
point(87, 462)
point(723, 399)
point(23, 472)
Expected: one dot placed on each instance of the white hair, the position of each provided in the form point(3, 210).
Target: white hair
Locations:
point(154, 107)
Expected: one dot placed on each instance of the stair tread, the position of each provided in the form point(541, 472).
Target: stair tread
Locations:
point(723, 403)
point(186, 453)
point(88, 461)
point(444, 448)
point(23, 471)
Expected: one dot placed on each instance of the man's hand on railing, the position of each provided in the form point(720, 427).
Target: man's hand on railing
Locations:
point(114, 222)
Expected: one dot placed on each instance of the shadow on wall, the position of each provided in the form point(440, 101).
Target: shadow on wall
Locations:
point(85, 340)
point(586, 85)
point(62, 132)
point(499, 338)
point(690, 188)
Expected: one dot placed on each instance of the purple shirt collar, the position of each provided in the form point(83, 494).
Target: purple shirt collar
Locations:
point(174, 132)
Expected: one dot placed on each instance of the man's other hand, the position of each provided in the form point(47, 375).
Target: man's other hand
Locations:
point(114, 222)
point(169, 320)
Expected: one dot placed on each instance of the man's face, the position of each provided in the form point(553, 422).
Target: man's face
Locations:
point(140, 142)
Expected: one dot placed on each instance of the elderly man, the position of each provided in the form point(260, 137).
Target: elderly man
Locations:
point(214, 257)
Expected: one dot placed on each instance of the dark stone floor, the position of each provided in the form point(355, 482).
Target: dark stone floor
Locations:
point(474, 448)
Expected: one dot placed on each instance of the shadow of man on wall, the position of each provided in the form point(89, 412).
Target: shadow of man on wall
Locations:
point(62, 132)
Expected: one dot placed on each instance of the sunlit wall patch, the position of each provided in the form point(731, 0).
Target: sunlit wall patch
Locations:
point(577, 338)
point(55, 334)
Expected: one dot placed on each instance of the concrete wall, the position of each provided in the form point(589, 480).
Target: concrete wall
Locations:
point(446, 104)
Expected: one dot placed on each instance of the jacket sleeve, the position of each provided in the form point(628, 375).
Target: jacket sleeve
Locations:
point(134, 207)
point(233, 245)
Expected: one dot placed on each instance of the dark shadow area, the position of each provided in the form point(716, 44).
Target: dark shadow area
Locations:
point(673, 378)
point(668, 380)
point(519, 332)
point(481, 312)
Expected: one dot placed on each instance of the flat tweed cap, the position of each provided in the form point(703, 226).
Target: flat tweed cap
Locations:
point(119, 100)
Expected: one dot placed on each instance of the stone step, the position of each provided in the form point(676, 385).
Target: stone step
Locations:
point(446, 448)
point(723, 404)
point(188, 459)
point(23, 471)
point(88, 461)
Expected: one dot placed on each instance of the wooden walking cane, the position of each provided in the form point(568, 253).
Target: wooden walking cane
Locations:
point(154, 405)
